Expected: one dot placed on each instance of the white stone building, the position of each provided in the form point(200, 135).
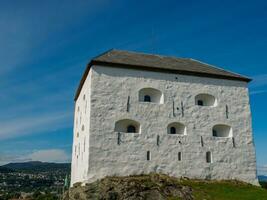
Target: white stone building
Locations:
point(139, 113)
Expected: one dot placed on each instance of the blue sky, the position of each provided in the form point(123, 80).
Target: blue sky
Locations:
point(45, 46)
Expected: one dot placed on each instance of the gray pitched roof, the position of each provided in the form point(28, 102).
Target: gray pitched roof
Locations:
point(151, 62)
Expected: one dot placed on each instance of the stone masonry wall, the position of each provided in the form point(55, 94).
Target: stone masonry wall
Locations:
point(110, 88)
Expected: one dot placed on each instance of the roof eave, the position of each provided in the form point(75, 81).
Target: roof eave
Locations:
point(148, 68)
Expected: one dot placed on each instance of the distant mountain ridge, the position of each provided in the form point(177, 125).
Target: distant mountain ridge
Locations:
point(36, 166)
point(262, 178)
point(5, 170)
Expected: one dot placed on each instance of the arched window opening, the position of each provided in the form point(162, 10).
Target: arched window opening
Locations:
point(82, 127)
point(222, 130)
point(205, 100)
point(151, 95)
point(127, 126)
point(173, 130)
point(147, 98)
point(131, 129)
point(176, 128)
point(208, 157)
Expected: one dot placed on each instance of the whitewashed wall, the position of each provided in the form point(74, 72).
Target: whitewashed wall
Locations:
point(80, 147)
point(110, 88)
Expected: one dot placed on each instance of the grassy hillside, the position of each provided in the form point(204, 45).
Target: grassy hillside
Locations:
point(158, 186)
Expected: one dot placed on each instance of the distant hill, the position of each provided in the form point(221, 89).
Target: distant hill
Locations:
point(262, 178)
point(37, 166)
point(5, 170)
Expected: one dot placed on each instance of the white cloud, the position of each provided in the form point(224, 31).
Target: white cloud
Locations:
point(45, 155)
point(258, 84)
point(34, 124)
point(262, 170)
point(258, 92)
point(4, 159)
point(50, 155)
point(259, 81)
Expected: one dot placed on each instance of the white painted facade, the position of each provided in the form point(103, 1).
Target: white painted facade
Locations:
point(109, 94)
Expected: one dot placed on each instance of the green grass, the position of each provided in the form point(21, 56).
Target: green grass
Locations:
point(225, 190)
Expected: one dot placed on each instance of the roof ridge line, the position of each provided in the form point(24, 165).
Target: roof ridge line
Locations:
point(145, 53)
point(219, 68)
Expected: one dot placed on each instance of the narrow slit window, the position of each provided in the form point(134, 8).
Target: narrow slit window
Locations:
point(84, 144)
point(179, 156)
point(208, 157)
point(148, 156)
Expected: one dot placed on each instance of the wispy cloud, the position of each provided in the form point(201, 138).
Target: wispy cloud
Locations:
point(43, 155)
point(262, 170)
point(258, 92)
point(40, 104)
point(259, 81)
point(49, 155)
point(258, 85)
point(34, 124)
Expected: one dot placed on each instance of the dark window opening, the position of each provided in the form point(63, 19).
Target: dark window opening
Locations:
point(200, 103)
point(131, 129)
point(147, 98)
point(179, 156)
point(148, 155)
point(208, 157)
point(214, 133)
point(173, 130)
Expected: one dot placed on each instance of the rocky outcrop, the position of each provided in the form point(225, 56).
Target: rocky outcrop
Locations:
point(153, 186)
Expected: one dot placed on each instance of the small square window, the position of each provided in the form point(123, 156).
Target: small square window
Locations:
point(200, 103)
point(147, 98)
